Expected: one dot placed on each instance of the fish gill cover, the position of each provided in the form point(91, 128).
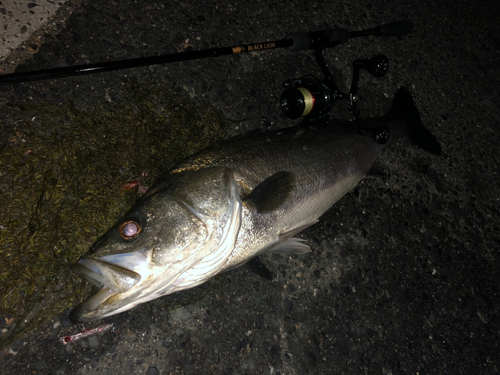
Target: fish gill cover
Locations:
point(61, 169)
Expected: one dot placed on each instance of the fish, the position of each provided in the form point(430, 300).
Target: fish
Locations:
point(235, 200)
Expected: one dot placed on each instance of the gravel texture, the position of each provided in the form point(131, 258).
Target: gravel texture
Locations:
point(404, 273)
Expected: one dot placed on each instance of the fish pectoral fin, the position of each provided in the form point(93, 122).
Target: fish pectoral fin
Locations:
point(271, 193)
point(291, 246)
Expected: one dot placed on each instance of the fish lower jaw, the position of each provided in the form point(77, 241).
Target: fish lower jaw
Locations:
point(108, 301)
point(88, 309)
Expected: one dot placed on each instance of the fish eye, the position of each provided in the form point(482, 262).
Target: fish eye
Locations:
point(129, 229)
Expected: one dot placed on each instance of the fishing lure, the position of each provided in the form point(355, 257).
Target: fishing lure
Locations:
point(86, 333)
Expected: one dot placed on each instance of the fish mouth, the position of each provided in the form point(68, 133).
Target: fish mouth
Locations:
point(101, 273)
point(111, 277)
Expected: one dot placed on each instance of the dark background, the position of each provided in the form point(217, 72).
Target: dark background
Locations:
point(404, 273)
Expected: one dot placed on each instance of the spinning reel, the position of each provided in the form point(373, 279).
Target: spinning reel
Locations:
point(309, 97)
point(312, 99)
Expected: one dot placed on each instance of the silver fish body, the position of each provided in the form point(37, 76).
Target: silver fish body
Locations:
point(243, 197)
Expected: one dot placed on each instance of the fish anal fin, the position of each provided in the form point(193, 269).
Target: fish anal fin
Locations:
point(271, 193)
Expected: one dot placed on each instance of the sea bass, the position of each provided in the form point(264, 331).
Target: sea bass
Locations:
point(246, 196)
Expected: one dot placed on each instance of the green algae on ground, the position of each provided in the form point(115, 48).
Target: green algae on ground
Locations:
point(60, 178)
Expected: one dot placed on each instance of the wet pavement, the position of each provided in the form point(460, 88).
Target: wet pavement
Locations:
point(404, 273)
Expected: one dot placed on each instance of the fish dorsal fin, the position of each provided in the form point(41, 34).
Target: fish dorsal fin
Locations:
point(271, 193)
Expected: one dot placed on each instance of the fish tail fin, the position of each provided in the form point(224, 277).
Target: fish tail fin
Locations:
point(404, 107)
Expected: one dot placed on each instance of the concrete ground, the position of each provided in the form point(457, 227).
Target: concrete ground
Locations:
point(24, 22)
point(404, 273)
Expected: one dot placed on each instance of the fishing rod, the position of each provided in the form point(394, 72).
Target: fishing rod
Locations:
point(293, 42)
point(303, 97)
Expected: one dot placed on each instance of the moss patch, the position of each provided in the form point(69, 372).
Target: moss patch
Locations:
point(60, 178)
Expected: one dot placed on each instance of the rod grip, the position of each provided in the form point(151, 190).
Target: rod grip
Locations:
point(396, 28)
point(303, 40)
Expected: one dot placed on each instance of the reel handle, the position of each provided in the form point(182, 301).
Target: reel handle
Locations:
point(377, 66)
